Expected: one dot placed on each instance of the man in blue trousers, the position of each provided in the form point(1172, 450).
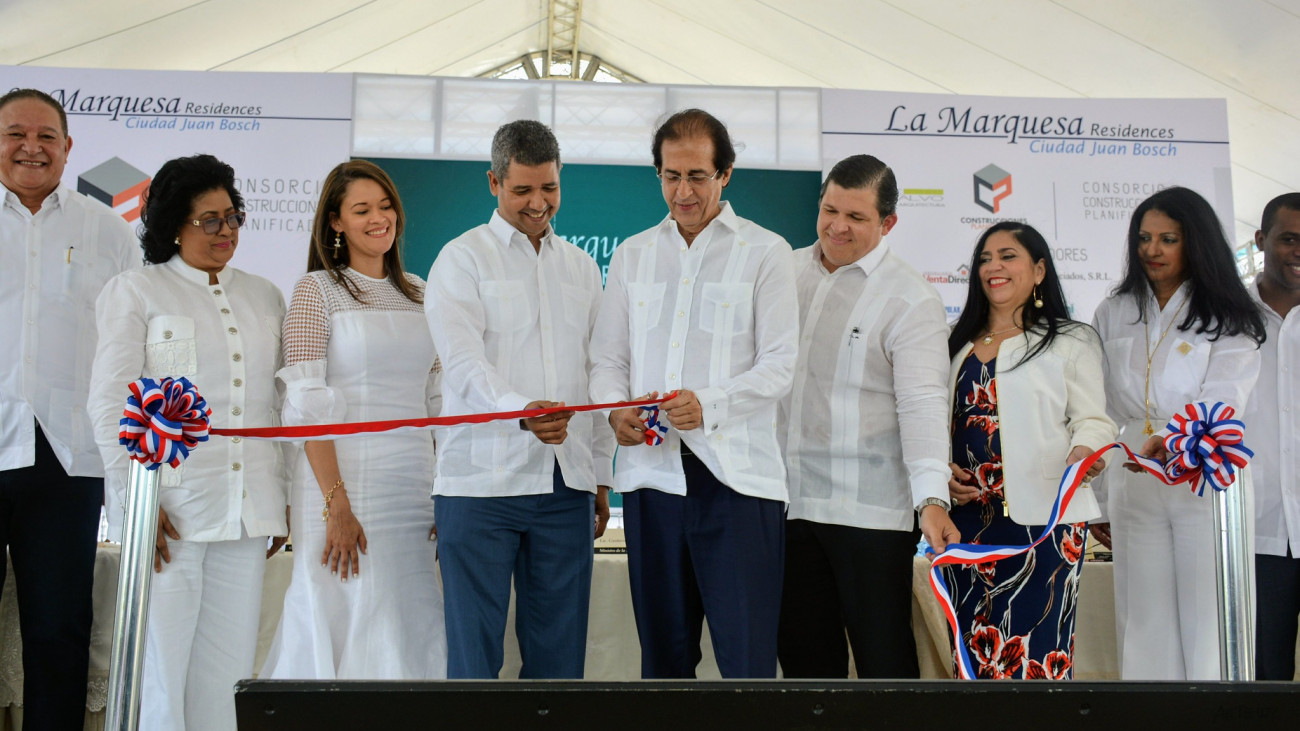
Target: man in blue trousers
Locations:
point(511, 306)
point(703, 305)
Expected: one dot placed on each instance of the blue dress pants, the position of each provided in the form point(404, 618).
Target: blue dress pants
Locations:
point(712, 553)
point(545, 542)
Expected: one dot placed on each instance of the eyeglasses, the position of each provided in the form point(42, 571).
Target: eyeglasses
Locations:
point(211, 226)
point(695, 180)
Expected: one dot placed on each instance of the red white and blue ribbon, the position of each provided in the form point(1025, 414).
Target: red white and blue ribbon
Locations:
point(163, 421)
point(1205, 447)
point(655, 430)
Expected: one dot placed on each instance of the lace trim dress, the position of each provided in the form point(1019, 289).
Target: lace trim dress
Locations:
point(1017, 615)
point(350, 359)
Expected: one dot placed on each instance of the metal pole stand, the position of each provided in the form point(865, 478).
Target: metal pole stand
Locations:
point(1234, 560)
point(133, 577)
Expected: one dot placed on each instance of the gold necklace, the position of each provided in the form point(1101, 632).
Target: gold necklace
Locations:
point(988, 339)
point(1151, 354)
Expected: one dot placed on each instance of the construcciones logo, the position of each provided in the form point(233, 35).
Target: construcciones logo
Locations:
point(992, 185)
point(117, 184)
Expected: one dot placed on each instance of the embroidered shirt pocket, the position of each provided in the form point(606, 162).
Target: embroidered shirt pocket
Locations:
point(170, 349)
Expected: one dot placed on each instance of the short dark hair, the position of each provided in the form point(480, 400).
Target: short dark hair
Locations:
point(1290, 201)
point(695, 123)
point(170, 197)
point(38, 95)
point(866, 171)
point(1218, 299)
point(525, 141)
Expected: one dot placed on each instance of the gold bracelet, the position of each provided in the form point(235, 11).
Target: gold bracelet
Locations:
point(325, 511)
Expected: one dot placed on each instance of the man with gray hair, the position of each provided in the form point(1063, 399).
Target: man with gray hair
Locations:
point(511, 306)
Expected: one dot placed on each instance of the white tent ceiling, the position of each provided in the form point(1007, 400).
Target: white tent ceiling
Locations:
point(1241, 50)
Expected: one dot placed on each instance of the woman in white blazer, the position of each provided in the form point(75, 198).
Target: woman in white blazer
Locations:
point(1179, 328)
point(190, 314)
point(1028, 402)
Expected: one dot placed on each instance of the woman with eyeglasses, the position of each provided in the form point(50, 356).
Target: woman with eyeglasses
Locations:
point(190, 314)
point(1178, 329)
point(1029, 401)
point(364, 601)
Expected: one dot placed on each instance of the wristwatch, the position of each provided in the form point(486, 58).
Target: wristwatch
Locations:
point(933, 501)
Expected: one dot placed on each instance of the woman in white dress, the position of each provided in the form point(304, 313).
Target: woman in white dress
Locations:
point(364, 600)
point(1179, 328)
point(190, 314)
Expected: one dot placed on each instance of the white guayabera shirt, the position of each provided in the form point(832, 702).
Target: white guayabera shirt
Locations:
point(719, 318)
point(52, 266)
point(1272, 421)
point(512, 326)
point(867, 419)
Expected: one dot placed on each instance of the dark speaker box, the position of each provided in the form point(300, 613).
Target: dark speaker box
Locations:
point(290, 705)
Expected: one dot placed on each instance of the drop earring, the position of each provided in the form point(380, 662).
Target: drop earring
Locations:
point(338, 244)
point(1038, 301)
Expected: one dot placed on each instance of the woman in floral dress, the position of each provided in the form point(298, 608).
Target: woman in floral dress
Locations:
point(1029, 401)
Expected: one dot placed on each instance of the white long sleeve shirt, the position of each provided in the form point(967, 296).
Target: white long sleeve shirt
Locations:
point(166, 320)
point(719, 317)
point(1272, 420)
point(867, 419)
point(513, 325)
point(52, 266)
point(1186, 367)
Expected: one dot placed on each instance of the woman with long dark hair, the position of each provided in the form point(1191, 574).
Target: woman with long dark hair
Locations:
point(364, 600)
point(1029, 401)
point(1179, 328)
point(190, 314)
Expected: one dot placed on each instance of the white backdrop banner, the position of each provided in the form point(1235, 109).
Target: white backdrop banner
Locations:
point(280, 132)
point(1072, 168)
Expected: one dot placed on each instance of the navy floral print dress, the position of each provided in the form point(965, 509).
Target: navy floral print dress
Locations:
point(1017, 614)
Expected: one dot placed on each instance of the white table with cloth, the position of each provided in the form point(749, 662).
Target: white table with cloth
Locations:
point(613, 653)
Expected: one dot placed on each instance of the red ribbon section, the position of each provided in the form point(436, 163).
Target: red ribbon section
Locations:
point(334, 431)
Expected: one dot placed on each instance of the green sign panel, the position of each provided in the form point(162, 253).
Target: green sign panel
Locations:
point(600, 205)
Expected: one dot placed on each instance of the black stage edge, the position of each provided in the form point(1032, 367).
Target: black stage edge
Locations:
point(292, 705)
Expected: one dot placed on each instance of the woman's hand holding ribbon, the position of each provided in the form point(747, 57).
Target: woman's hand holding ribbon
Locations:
point(1153, 447)
point(1080, 453)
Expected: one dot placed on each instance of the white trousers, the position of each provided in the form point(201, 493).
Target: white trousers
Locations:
point(202, 634)
point(1166, 592)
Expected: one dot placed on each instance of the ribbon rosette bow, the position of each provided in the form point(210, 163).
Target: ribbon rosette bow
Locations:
point(654, 429)
point(163, 421)
point(1206, 447)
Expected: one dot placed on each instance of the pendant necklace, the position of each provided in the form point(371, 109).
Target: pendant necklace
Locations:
point(988, 339)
